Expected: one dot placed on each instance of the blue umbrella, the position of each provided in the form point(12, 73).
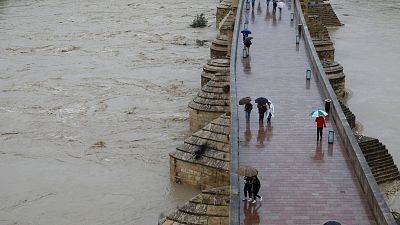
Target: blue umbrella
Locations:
point(245, 31)
point(261, 100)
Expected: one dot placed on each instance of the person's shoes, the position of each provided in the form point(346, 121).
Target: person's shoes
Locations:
point(250, 200)
point(261, 199)
point(254, 201)
point(244, 199)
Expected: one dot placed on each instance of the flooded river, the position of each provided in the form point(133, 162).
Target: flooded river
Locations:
point(93, 98)
point(368, 48)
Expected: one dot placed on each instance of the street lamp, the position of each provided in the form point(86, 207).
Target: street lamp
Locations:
point(331, 137)
point(297, 39)
point(308, 74)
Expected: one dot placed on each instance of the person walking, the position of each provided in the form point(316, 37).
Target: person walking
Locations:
point(274, 5)
point(262, 108)
point(256, 188)
point(281, 4)
point(320, 125)
point(268, 3)
point(247, 189)
point(253, 2)
point(247, 108)
point(270, 111)
point(247, 43)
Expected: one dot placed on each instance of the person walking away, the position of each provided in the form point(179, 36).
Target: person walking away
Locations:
point(320, 125)
point(270, 111)
point(268, 3)
point(261, 111)
point(256, 189)
point(274, 5)
point(281, 4)
point(248, 187)
point(247, 108)
point(253, 2)
point(247, 43)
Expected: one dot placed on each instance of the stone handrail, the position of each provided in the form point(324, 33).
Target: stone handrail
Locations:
point(367, 181)
point(234, 214)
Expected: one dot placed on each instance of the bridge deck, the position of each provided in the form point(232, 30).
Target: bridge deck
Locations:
point(303, 182)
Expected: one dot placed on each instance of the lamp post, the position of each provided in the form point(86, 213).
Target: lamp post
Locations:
point(291, 16)
point(308, 74)
point(299, 28)
point(331, 137)
point(297, 39)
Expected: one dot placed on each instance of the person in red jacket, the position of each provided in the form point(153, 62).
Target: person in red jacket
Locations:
point(320, 125)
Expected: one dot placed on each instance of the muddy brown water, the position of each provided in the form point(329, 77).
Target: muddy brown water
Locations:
point(93, 98)
point(368, 48)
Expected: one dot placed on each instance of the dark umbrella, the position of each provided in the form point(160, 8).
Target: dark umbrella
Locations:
point(332, 223)
point(244, 100)
point(245, 31)
point(248, 39)
point(261, 100)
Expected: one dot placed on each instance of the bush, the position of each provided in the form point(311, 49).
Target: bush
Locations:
point(199, 21)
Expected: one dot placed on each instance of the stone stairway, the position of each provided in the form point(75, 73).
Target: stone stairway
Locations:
point(211, 207)
point(379, 159)
point(351, 118)
point(325, 12)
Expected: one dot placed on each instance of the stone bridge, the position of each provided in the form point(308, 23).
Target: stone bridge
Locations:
point(303, 181)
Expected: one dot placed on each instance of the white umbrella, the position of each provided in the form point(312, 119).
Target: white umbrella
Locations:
point(318, 113)
point(281, 4)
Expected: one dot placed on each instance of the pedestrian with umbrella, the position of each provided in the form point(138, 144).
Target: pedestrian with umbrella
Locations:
point(245, 33)
point(247, 108)
point(256, 188)
point(320, 120)
point(270, 111)
point(281, 4)
point(248, 172)
point(247, 43)
point(262, 108)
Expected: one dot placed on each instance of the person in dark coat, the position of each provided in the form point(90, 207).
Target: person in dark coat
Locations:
point(247, 108)
point(248, 187)
point(247, 43)
point(274, 5)
point(262, 108)
point(256, 188)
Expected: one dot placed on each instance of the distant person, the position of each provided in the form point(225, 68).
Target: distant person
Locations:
point(281, 4)
point(256, 188)
point(247, 108)
point(268, 3)
point(320, 125)
point(262, 108)
point(247, 189)
point(253, 2)
point(274, 5)
point(247, 43)
point(270, 111)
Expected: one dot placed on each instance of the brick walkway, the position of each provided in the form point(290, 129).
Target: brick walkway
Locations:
point(302, 182)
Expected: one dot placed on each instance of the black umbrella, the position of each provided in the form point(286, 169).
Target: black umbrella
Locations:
point(244, 100)
point(332, 223)
point(248, 39)
point(261, 100)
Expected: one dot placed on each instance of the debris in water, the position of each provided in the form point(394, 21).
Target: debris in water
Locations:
point(99, 144)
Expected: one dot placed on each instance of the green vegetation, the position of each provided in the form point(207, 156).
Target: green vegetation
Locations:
point(199, 21)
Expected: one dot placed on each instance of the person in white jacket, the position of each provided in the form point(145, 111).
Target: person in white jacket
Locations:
point(270, 111)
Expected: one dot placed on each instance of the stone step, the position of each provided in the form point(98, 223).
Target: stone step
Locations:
point(381, 160)
point(387, 178)
point(375, 155)
point(371, 145)
point(373, 149)
point(382, 165)
point(369, 142)
point(385, 170)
